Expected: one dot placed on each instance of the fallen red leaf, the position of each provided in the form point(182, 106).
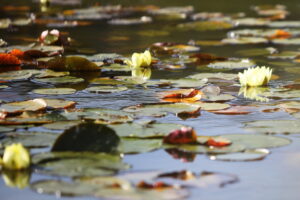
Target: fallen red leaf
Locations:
point(18, 53)
point(218, 142)
point(181, 136)
point(156, 185)
point(8, 59)
point(280, 34)
point(182, 95)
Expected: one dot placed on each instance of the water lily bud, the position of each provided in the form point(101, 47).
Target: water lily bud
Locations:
point(16, 157)
point(257, 76)
point(140, 60)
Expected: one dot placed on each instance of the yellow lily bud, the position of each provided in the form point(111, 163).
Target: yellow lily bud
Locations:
point(140, 59)
point(16, 157)
point(254, 77)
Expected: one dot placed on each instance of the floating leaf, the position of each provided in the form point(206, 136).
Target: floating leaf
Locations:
point(235, 110)
point(29, 139)
point(87, 137)
point(116, 67)
point(274, 126)
point(61, 125)
point(29, 105)
point(59, 103)
point(244, 40)
point(292, 41)
point(258, 141)
point(248, 155)
point(54, 91)
point(181, 136)
point(8, 60)
point(251, 22)
point(144, 131)
point(211, 106)
point(183, 95)
point(220, 97)
point(258, 51)
point(77, 164)
point(60, 80)
point(224, 76)
point(136, 145)
point(15, 75)
point(161, 109)
point(205, 26)
point(131, 21)
point(281, 24)
point(241, 64)
point(107, 89)
point(101, 115)
point(72, 63)
point(50, 73)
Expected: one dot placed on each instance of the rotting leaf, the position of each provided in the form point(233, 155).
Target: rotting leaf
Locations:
point(183, 95)
point(181, 136)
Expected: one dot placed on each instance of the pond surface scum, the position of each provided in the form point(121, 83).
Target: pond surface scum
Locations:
point(150, 100)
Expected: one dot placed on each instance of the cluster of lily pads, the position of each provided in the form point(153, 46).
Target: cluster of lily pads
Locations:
point(68, 138)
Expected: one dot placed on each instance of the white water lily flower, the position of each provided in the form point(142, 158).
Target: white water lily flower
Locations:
point(257, 76)
point(16, 157)
point(140, 60)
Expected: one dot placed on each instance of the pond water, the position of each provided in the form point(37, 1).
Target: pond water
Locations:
point(274, 176)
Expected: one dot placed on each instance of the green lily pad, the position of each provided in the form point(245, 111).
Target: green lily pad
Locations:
point(211, 106)
point(186, 82)
point(257, 141)
point(106, 89)
point(274, 126)
point(72, 63)
point(251, 22)
point(15, 75)
point(144, 130)
point(282, 24)
point(60, 80)
point(54, 91)
point(257, 51)
point(61, 125)
point(50, 73)
point(103, 57)
point(78, 164)
point(107, 81)
point(87, 137)
point(135, 145)
point(62, 188)
point(21, 106)
point(204, 26)
point(101, 115)
point(292, 41)
point(241, 64)
point(220, 97)
point(248, 155)
point(285, 55)
point(116, 67)
point(224, 76)
point(29, 139)
point(6, 129)
point(244, 40)
point(161, 109)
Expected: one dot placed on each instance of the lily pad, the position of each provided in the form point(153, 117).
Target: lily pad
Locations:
point(15, 75)
point(61, 125)
point(281, 24)
point(29, 139)
point(100, 115)
point(186, 82)
point(87, 137)
point(54, 91)
point(29, 105)
point(116, 67)
point(144, 130)
point(220, 97)
point(106, 89)
point(204, 26)
point(248, 155)
point(244, 40)
point(72, 63)
point(211, 106)
point(161, 109)
point(285, 55)
point(135, 145)
point(50, 73)
point(78, 164)
point(60, 80)
point(241, 64)
point(274, 126)
point(292, 41)
point(257, 141)
point(224, 76)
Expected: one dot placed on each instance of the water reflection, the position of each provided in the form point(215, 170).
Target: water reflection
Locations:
point(16, 179)
point(254, 93)
point(181, 155)
point(141, 74)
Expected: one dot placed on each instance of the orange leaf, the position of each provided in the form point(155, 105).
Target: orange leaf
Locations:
point(181, 136)
point(280, 34)
point(157, 185)
point(218, 142)
point(182, 95)
point(18, 53)
point(8, 59)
